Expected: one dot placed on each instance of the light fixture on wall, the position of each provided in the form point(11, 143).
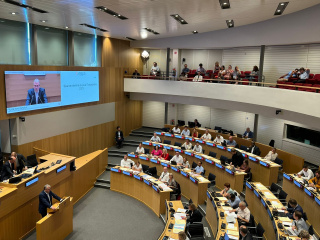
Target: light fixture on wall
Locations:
point(145, 54)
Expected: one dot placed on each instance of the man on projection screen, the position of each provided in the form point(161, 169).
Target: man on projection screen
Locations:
point(36, 95)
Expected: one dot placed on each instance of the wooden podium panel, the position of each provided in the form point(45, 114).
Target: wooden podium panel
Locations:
point(57, 225)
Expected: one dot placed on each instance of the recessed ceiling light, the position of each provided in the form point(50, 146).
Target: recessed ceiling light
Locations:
point(281, 7)
point(151, 30)
point(29, 7)
point(281, 4)
point(178, 18)
point(230, 23)
point(194, 32)
point(113, 13)
point(43, 21)
point(66, 27)
point(93, 27)
point(224, 4)
point(129, 38)
point(13, 13)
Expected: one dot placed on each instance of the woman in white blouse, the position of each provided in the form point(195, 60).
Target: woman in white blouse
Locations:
point(137, 167)
point(272, 155)
point(140, 149)
point(185, 163)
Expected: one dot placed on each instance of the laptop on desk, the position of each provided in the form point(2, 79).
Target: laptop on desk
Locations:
point(15, 180)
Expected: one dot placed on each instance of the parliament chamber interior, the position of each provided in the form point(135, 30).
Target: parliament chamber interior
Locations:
point(162, 120)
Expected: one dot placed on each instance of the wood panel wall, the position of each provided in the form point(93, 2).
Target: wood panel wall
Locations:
point(118, 59)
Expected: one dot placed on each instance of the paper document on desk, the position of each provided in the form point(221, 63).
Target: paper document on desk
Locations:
point(261, 187)
point(164, 187)
point(234, 233)
point(284, 219)
point(180, 216)
point(226, 208)
point(231, 219)
point(276, 204)
point(222, 199)
point(178, 227)
point(269, 195)
point(230, 226)
point(181, 210)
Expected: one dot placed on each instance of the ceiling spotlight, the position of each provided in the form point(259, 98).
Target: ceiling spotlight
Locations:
point(151, 30)
point(66, 27)
point(178, 19)
point(47, 28)
point(230, 23)
point(13, 13)
point(194, 32)
point(281, 7)
point(224, 4)
point(43, 21)
point(113, 13)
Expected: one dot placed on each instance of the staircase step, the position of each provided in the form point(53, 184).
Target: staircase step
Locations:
point(163, 218)
point(103, 181)
point(202, 210)
point(117, 151)
point(102, 185)
point(112, 165)
point(130, 144)
point(120, 155)
point(141, 135)
point(132, 141)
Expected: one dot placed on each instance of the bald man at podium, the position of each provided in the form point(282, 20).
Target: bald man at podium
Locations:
point(45, 200)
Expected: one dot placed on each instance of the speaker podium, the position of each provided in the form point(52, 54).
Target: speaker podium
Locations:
point(57, 224)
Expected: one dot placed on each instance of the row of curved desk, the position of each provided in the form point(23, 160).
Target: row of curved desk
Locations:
point(291, 163)
point(262, 170)
point(19, 202)
point(265, 208)
point(306, 197)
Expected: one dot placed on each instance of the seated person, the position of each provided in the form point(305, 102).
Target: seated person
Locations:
point(248, 133)
point(195, 133)
point(171, 182)
point(36, 95)
point(140, 149)
point(315, 182)
point(165, 155)
point(234, 201)
point(237, 158)
point(292, 207)
point(219, 139)
point(177, 158)
point(231, 142)
point(8, 169)
point(254, 73)
point(227, 190)
point(244, 167)
point(182, 236)
point(216, 67)
point(304, 74)
point(229, 73)
point(126, 162)
point(184, 73)
point(290, 74)
point(272, 155)
point(254, 149)
point(156, 151)
point(243, 213)
point(197, 77)
point(187, 145)
point(206, 136)
point(155, 138)
point(244, 233)
point(137, 167)
point(136, 74)
point(185, 163)
point(155, 70)
point(222, 72)
point(176, 129)
point(185, 131)
point(201, 69)
point(196, 123)
point(164, 177)
point(193, 214)
point(298, 223)
point(305, 173)
point(197, 148)
point(304, 235)
point(236, 75)
point(199, 169)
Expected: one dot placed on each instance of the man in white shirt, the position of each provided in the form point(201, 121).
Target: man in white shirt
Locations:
point(305, 173)
point(177, 158)
point(164, 177)
point(197, 148)
point(185, 131)
point(219, 139)
point(187, 145)
point(243, 213)
point(126, 163)
point(198, 77)
point(206, 136)
point(272, 155)
point(155, 70)
point(176, 130)
point(155, 138)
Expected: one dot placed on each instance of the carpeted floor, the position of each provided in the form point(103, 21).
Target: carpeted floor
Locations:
point(104, 214)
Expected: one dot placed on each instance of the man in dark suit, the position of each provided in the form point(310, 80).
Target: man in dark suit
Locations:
point(237, 158)
point(292, 207)
point(19, 160)
point(119, 137)
point(8, 169)
point(254, 149)
point(248, 133)
point(36, 95)
point(245, 234)
point(45, 200)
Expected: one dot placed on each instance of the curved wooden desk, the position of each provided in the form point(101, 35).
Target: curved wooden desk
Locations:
point(170, 232)
point(291, 163)
point(262, 170)
point(140, 187)
point(257, 196)
point(307, 198)
point(215, 220)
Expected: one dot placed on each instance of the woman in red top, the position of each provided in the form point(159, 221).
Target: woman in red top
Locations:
point(165, 155)
point(195, 133)
point(156, 151)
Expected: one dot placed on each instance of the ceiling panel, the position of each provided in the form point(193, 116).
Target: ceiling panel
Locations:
point(202, 15)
